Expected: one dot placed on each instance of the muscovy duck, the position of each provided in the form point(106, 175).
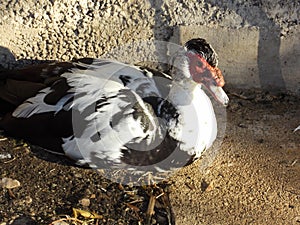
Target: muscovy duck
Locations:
point(107, 114)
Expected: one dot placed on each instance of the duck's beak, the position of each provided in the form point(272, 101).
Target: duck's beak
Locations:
point(218, 93)
point(213, 80)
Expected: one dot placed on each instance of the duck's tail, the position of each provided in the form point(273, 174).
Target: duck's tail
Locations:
point(18, 85)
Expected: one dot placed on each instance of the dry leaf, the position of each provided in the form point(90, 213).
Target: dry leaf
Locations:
point(86, 214)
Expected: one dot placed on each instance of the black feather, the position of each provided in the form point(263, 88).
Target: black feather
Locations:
point(203, 48)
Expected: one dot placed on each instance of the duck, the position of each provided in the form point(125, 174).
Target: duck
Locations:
point(103, 113)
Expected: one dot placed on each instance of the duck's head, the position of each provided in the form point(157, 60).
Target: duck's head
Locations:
point(202, 65)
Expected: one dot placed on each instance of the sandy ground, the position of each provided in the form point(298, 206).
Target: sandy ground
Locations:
point(254, 178)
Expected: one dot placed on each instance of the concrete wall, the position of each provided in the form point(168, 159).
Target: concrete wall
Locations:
point(257, 41)
point(246, 61)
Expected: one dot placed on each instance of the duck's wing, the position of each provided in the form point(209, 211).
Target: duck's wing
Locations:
point(121, 129)
point(115, 119)
point(102, 107)
point(97, 77)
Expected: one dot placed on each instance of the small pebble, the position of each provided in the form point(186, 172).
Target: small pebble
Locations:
point(5, 156)
point(28, 200)
point(93, 196)
point(85, 202)
point(9, 183)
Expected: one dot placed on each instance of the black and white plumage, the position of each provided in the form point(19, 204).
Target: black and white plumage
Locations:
point(108, 114)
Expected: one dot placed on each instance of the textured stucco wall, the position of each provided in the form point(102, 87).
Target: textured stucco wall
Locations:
point(65, 29)
point(248, 62)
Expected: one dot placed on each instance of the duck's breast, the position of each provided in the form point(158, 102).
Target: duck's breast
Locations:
point(198, 124)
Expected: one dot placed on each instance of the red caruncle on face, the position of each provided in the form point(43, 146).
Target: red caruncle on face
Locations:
point(204, 73)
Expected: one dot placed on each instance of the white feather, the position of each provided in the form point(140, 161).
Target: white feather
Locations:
point(197, 127)
point(36, 105)
point(298, 128)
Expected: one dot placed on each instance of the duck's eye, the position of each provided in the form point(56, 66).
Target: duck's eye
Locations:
point(199, 63)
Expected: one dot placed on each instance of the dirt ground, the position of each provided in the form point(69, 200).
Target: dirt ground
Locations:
point(254, 178)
